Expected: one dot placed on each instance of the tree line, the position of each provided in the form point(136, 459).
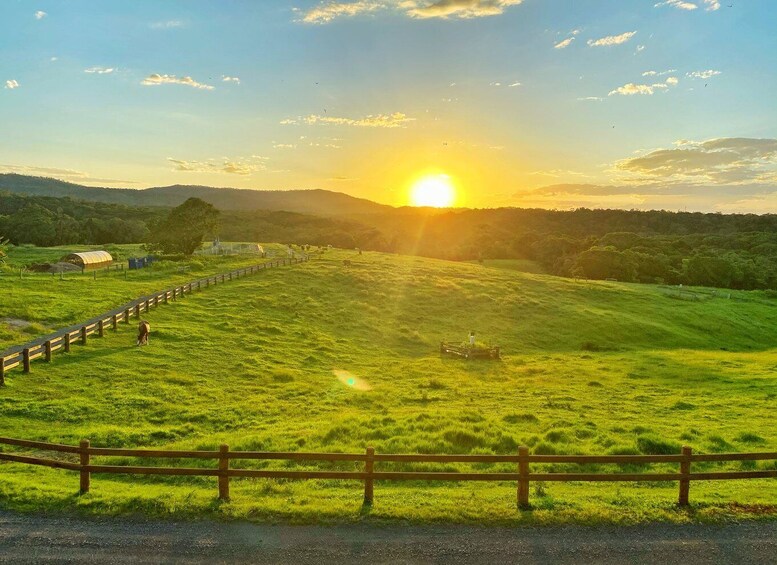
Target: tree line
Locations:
point(731, 251)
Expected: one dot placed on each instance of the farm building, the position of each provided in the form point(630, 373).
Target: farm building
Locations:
point(89, 259)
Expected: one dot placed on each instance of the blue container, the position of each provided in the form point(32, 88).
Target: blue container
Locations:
point(133, 264)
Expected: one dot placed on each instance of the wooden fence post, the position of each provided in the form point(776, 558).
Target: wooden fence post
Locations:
point(115, 322)
point(26, 359)
point(2, 371)
point(47, 345)
point(156, 301)
point(685, 472)
point(126, 316)
point(137, 311)
point(67, 342)
point(167, 292)
point(83, 335)
point(223, 470)
point(84, 463)
point(523, 482)
point(369, 465)
point(101, 328)
point(148, 304)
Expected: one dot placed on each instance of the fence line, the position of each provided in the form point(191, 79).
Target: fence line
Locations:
point(523, 475)
point(23, 355)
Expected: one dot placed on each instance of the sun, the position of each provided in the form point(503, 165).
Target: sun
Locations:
point(433, 190)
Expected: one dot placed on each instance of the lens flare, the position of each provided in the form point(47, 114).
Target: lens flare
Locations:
point(433, 190)
point(350, 380)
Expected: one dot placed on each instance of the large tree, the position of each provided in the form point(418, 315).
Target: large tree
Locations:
point(185, 227)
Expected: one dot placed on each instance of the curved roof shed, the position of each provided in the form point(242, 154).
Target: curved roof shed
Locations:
point(89, 259)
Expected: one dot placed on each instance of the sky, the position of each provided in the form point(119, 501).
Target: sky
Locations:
point(662, 104)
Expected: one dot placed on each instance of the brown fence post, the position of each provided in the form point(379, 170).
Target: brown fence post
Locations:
point(223, 472)
point(83, 335)
point(26, 359)
point(685, 472)
point(115, 322)
point(67, 342)
point(156, 300)
point(84, 464)
point(523, 482)
point(2, 371)
point(126, 316)
point(137, 311)
point(148, 304)
point(101, 328)
point(47, 347)
point(175, 294)
point(369, 465)
point(167, 292)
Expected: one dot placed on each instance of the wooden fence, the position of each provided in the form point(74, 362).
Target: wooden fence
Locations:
point(523, 475)
point(43, 348)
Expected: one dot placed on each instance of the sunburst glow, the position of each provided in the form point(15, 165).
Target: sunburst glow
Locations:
point(433, 190)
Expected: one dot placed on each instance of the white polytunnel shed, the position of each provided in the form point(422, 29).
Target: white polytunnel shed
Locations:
point(89, 259)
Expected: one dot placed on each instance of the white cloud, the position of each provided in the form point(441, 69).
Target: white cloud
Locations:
point(325, 13)
point(712, 5)
point(40, 14)
point(99, 70)
point(53, 59)
point(703, 74)
point(284, 146)
point(170, 24)
point(565, 43)
point(237, 166)
point(679, 4)
point(328, 11)
point(591, 99)
point(157, 79)
point(459, 8)
point(631, 89)
point(731, 160)
point(514, 84)
point(11, 84)
point(640, 48)
point(658, 73)
point(395, 120)
point(236, 80)
point(612, 39)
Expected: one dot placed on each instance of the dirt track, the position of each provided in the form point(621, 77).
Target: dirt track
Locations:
point(36, 539)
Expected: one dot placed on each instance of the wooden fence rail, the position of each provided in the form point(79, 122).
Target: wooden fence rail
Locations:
point(22, 356)
point(523, 475)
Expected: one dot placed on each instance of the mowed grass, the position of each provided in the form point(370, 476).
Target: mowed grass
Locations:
point(588, 367)
point(49, 302)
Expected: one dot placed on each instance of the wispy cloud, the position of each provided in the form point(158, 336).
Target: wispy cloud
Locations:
point(40, 14)
point(395, 120)
point(11, 84)
point(703, 74)
point(658, 73)
point(631, 89)
point(679, 4)
point(328, 11)
point(237, 166)
point(565, 43)
point(729, 160)
point(69, 175)
point(157, 79)
point(284, 146)
point(710, 5)
point(611, 39)
point(169, 24)
point(236, 80)
point(591, 98)
point(99, 70)
point(463, 9)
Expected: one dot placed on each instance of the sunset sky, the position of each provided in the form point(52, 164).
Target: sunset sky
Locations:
point(551, 103)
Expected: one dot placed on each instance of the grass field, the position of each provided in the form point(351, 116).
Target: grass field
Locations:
point(589, 367)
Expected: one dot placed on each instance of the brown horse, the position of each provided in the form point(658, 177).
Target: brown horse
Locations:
point(144, 328)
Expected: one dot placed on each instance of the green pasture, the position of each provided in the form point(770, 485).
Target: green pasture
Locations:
point(267, 362)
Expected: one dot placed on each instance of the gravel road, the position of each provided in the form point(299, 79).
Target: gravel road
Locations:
point(44, 539)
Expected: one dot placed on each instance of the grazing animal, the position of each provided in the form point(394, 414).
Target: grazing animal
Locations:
point(346, 262)
point(144, 328)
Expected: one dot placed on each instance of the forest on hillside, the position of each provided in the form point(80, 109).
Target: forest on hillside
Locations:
point(729, 251)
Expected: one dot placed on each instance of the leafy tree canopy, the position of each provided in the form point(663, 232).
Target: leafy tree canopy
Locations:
point(184, 229)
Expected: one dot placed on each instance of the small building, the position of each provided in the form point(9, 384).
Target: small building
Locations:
point(90, 259)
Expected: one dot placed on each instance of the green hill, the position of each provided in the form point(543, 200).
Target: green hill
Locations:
point(589, 367)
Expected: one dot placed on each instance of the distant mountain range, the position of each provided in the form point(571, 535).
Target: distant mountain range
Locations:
point(319, 202)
